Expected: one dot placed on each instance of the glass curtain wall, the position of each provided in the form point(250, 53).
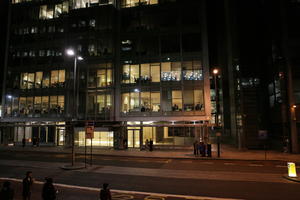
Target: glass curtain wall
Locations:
point(101, 139)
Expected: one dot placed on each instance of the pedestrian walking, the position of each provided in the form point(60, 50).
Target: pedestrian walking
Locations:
point(200, 148)
point(27, 184)
point(7, 193)
point(196, 148)
point(151, 145)
point(105, 192)
point(147, 144)
point(49, 191)
point(203, 150)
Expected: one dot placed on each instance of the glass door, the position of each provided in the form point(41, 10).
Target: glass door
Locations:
point(133, 138)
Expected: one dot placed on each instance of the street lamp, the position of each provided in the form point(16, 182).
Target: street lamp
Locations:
point(215, 73)
point(72, 53)
point(218, 134)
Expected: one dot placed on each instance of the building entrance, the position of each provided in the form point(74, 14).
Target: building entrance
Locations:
point(133, 138)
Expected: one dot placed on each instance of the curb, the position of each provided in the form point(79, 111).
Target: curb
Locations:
point(158, 157)
point(74, 167)
point(294, 179)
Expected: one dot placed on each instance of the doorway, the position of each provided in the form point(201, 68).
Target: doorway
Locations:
point(133, 136)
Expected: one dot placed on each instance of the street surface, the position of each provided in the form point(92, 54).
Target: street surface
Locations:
point(154, 178)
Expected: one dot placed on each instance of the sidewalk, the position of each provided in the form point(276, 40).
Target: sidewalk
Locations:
point(227, 153)
point(74, 192)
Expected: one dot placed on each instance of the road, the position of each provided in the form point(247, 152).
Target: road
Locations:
point(206, 178)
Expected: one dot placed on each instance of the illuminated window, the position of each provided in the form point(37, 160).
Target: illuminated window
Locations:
point(15, 105)
point(29, 105)
point(133, 3)
point(103, 103)
point(192, 70)
point(27, 81)
point(46, 80)
point(38, 79)
point(57, 78)
point(22, 105)
point(65, 8)
point(125, 102)
point(131, 73)
point(155, 101)
point(16, 1)
point(141, 102)
point(23, 82)
point(155, 72)
point(43, 12)
point(198, 100)
point(53, 102)
point(61, 76)
point(37, 104)
point(30, 80)
point(46, 12)
point(81, 4)
point(170, 71)
point(54, 77)
point(101, 78)
point(50, 12)
point(176, 100)
point(58, 10)
point(134, 101)
point(145, 102)
point(60, 103)
point(145, 72)
point(45, 104)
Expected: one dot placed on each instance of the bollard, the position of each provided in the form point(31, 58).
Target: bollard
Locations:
point(292, 170)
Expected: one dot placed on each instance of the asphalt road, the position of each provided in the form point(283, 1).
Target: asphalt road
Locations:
point(211, 178)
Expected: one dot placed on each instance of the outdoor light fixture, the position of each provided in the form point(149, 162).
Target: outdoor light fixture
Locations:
point(215, 71)
point(136, 90)
point(294, 106)
point(9, 96)
point(70, 52)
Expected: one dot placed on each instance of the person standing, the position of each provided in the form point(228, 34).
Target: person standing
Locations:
point(147, 144)
point(7, 193)
point(151, 145)
point(49, 191)
point(196, 148)
point(105, 192)
point(27, 184)
point(23, 142)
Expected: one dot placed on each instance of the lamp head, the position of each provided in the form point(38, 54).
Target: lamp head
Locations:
point(70, 52)
point(215, 71)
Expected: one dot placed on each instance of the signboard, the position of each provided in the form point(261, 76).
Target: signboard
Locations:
point(291, 169)
point(89, 130)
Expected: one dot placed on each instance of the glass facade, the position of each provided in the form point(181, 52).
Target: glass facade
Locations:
point(150, 70)
point(101, 139)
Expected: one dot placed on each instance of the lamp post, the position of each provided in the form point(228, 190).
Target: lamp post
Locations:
point(71, 53)
point(218, 134)
point(215, 73)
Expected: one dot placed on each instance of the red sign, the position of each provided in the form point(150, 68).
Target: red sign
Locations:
point(89, 130)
